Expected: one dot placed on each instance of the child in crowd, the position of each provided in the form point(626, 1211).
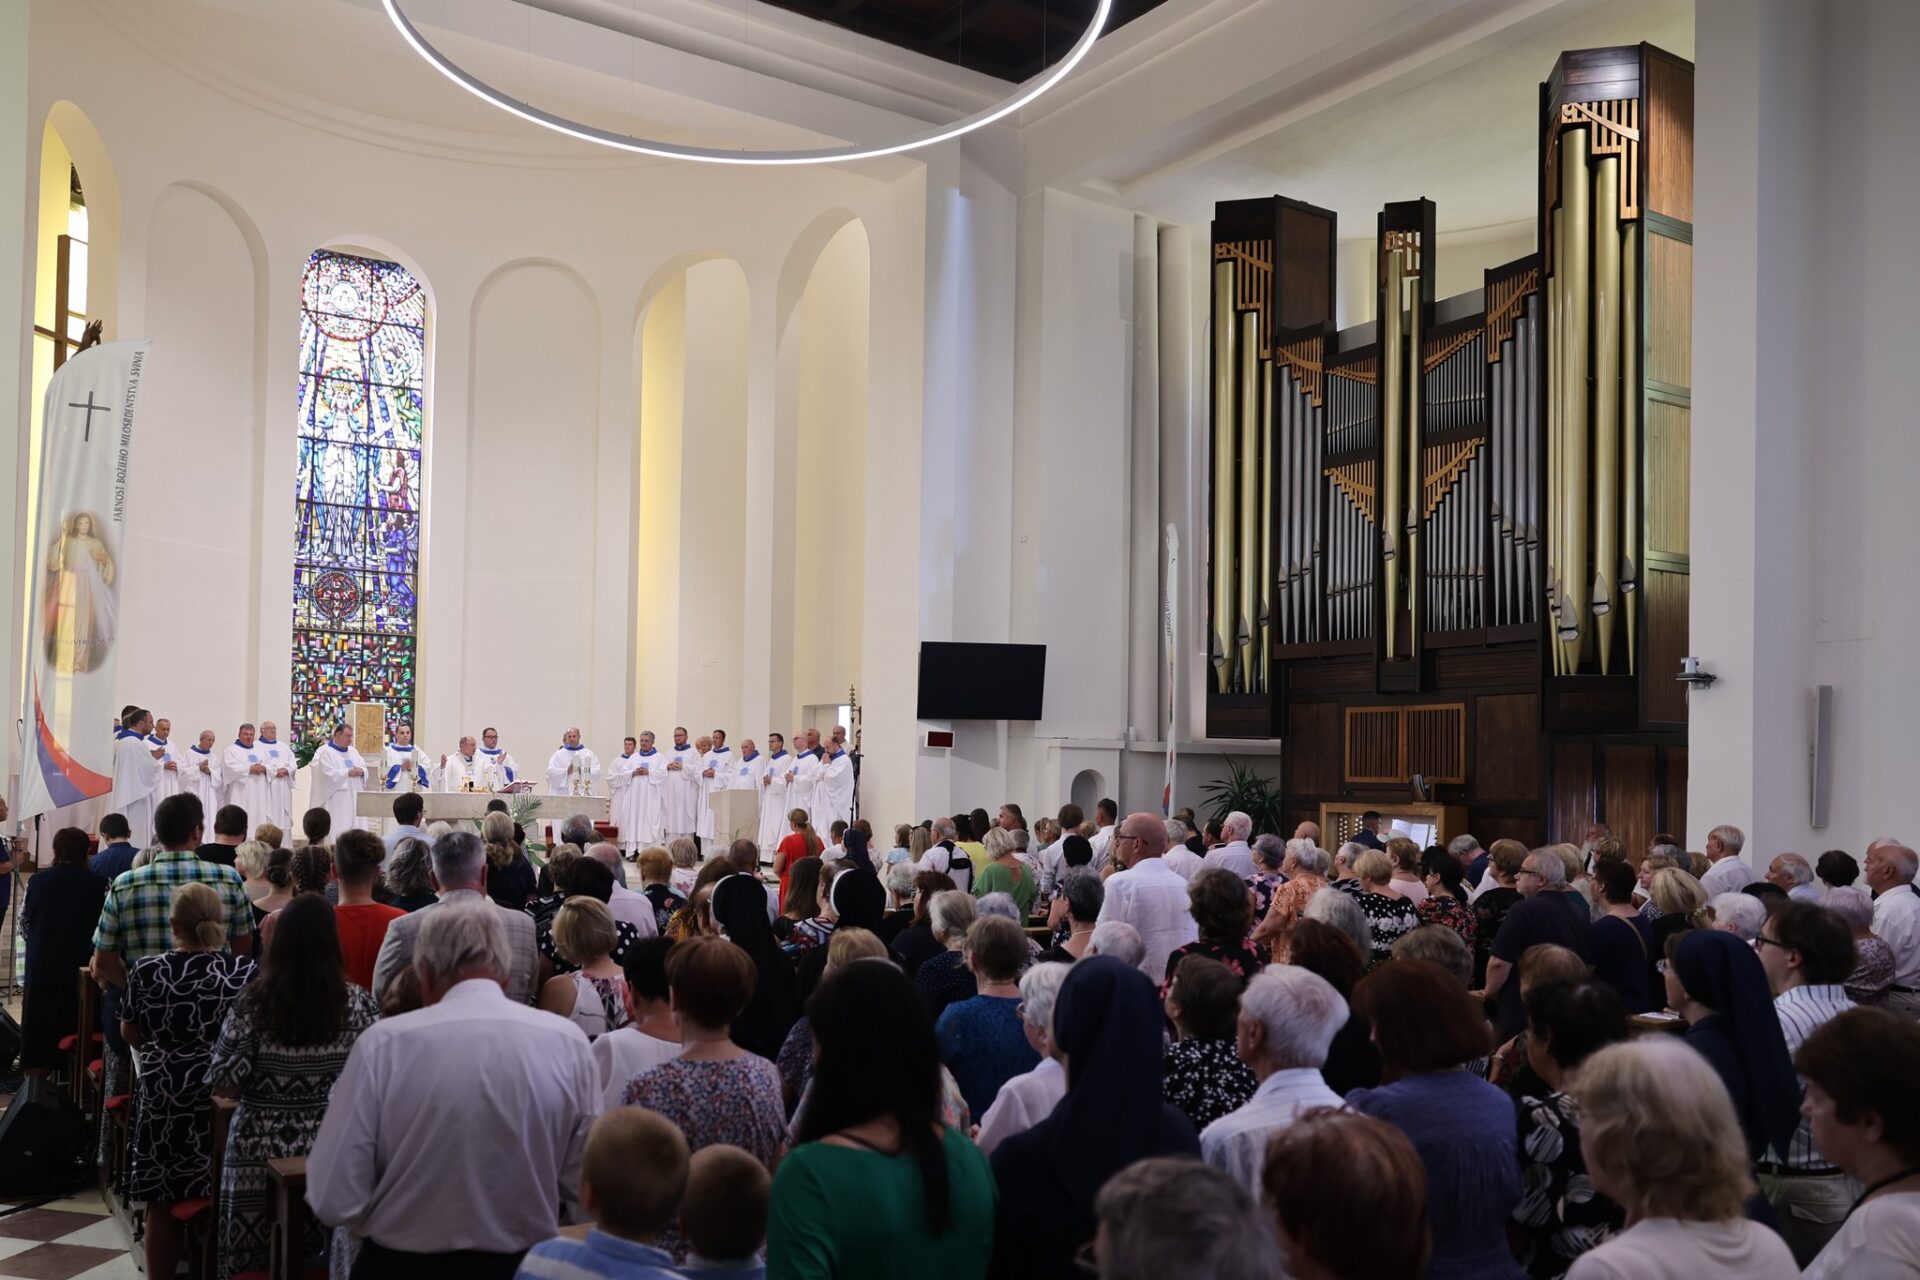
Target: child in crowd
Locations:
point(632, 1177)
point(723, 1216)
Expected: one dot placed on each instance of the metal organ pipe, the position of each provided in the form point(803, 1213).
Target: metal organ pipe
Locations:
point(1630, 432)
point(1249, 500)
point(1606, 400)
point(1220, 564)
point(1575, 197)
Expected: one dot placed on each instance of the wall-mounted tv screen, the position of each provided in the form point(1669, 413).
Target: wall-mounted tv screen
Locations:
point(981, 681)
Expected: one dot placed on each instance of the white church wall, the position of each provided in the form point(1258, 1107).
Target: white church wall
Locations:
point(660, 388)
point(17, 193)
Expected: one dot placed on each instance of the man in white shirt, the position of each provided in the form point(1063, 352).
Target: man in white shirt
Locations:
point(1807, 952)
point(944, 857)
point(1052, 861)
point(625, 904)
point(415, 1162)
point(1235, 854)
point(1148, 894)
point(1889, 870)
point(408, 809)
point(1288, 1019)
point(1794, 873)
point(1729, 872)
point(1180, 860)
point(460, 875)
point(1105, 814)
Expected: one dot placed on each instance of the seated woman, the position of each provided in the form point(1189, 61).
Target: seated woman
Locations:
point(982, 1039)
point(1204, 1075)
point(1427, 1027)
point(876, 1184)
point(1350, 1197)
point(945, 978)
point(1217, 900)
point(1860, 1068)
point(1559, 1218)
point(594, 995)
point(1661, 1140)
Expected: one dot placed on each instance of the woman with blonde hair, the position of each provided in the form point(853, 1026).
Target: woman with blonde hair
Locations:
point(1682, 903)
point(1389, 913)
point(695, 918)
point(250, 860)
point(511, 879)
point(685, 851)
point(656, 873)
point(594, 997)
point(1660, 1138)
point(1406, 880)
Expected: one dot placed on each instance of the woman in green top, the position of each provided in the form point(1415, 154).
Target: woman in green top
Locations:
point(1005, 873)
point(870, 1136)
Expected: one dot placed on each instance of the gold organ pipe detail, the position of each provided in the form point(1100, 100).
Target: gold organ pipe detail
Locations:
point(1414, 383)
point(1630, 432)
point(1606, 402)
point(1555, 499)
point(1266, 587)
point(1220, 565)
point(1575, 206)
point(1392, 507)
point(1249, 503)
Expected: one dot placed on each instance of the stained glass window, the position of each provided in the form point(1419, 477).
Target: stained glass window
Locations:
point(363, 330)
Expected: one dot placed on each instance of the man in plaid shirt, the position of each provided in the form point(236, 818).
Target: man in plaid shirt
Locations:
point(136, 920)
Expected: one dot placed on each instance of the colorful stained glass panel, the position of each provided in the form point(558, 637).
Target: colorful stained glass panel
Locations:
point(361, 412)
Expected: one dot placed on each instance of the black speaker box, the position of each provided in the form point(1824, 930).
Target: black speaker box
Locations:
point(43, 1143)
point(9, 1041)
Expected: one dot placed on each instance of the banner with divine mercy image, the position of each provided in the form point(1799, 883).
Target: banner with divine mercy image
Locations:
point(77, 549)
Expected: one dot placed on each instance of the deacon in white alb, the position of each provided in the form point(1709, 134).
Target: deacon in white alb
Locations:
point(497, 768)
point(136, 774)
point(619, 792)
point(647, 797)
point(200, 775)
point(804, 781)
point(461, 770)
point(243, 767)
point(748, 769)
point(169, 784)
point(403, 766)
point(834, 798)
point(683, 788)
point(773, 792)
point(716, 774)
point(281, 766)
point(573, 770)
point(339, 774)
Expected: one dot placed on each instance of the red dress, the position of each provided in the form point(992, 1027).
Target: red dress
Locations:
point(795, 848)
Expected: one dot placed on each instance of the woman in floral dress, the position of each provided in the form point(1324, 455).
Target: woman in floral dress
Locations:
point(282, 1047)
point(1446, 893)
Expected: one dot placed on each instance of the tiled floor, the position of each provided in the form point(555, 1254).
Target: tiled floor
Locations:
point(74, 1239)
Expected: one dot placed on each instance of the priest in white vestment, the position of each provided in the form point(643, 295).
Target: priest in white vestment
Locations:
point(200, 774)
point(619, 792)
point(716, 768)
point(834, 798)
point(136, 775)
point(805, 782)
point(748, 768)
point(403, 766)
point(573, 770)
point(773, 792)
point(647, 797)
point(683, 786)
point(461, 770)
point(243, 768)
point(169, 785)
point(497, 768)
point(281, 766)
point(339, 774)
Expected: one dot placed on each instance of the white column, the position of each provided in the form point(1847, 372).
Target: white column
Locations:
point(1143, 499)
point(16, 250)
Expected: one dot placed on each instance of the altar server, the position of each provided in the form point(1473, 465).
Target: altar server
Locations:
point(461, 770)
point(169, 784)
point(619, 790)
point(281, 766)
point(647, 798)
point(136, 773)
point(498, 771)
point(339, 774)
point(573, 770)
point(773, 792)
point(200, 774)
point(683, 788)
point(834, 797)
point(403, 766)
point(243, 768)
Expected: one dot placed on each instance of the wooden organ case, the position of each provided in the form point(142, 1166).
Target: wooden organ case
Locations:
point(1453, 542)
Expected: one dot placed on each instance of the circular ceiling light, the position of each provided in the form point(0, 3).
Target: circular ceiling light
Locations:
point(714, 155)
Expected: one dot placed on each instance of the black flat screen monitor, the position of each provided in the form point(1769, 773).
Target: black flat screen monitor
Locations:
point(981, 681)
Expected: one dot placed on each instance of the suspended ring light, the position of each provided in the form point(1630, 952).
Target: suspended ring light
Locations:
point(714, 155)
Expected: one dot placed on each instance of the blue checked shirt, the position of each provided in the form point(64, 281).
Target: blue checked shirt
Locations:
point(136, 921)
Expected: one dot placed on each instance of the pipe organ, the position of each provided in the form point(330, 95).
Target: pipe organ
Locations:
point(1475, 501)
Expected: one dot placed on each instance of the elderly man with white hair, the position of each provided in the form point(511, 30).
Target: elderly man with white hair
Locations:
point(1729, 872)
point(1740, 914)
point(1234, 852)
point(1288, 1019)
point(1794, 873)
point(456, 1132)
point(459, 874)
point(1118, 939)
point(1890, 869)
point(625, 904)
point(1030, 1097)
point(1179, 859)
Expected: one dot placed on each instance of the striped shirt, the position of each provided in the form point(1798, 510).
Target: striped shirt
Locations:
point(1803, 1010)
point(599, 1257)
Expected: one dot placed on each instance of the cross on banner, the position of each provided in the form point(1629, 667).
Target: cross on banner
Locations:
point(91, 409)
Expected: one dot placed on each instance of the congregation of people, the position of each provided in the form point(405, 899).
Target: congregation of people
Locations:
point(1133, 1046)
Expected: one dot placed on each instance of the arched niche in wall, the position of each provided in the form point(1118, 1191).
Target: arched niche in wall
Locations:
point(1087, 788)
point(529, 543)
point(194, 517)
point(825, 391)
point(691, 356)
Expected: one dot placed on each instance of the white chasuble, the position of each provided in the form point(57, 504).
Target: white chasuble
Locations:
point(335, 784)
point(460, 773)
point(404, 769)
point(497, 770)
point(573, 771)
point(136, 777)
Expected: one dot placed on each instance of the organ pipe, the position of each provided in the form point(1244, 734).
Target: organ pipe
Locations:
point(1264, 585)
point(1575, 293)
point(1606, 400)
point(1220, 565)
point(1416, 494)
point(1249, 504)
point(1555, 494)
point(1388, 510)
point(1630, 433)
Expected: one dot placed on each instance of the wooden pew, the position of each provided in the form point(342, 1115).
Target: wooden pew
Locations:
point(287, 1179)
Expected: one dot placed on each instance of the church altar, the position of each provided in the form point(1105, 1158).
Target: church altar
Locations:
point(454, 806)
